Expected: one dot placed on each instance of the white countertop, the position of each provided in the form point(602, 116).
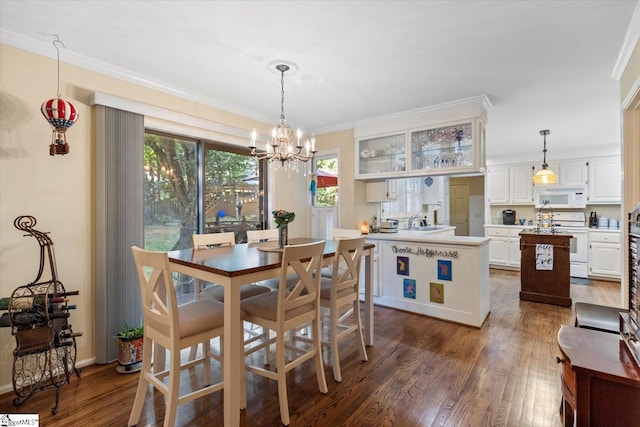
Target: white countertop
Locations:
point(605, 230)
point(526, 227)
point(431, 236)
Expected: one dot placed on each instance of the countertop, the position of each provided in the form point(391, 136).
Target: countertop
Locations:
point(431, 236)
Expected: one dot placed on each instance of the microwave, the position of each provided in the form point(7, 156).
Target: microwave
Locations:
point(560, 197)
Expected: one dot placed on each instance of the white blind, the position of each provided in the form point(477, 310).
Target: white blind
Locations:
point(323, 220)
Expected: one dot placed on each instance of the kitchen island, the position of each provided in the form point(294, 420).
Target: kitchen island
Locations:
point(433, 273)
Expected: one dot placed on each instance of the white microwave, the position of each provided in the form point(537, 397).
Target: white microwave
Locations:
point(560, 197)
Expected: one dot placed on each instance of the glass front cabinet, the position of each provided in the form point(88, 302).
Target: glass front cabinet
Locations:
point(449, 148)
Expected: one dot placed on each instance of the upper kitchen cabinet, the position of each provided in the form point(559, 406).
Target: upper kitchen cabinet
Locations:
point(383, 155)
point(440, 140)
point(454, 148)
point(573, 172)
point(510, 184)
point(605, 180)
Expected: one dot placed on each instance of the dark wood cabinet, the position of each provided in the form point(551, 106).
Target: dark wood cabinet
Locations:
point(600, 380)
point(550, 286)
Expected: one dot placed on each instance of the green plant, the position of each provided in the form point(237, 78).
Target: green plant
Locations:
point(130, 332)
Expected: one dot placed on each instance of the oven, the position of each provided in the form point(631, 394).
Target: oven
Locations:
point(574, 224)
point(579, 251)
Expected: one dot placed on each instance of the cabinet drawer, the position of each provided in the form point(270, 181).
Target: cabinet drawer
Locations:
point(498, 232)
point(604, 237)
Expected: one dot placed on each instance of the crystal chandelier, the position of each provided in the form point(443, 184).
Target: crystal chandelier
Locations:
point(282, 146)
point(545, 175)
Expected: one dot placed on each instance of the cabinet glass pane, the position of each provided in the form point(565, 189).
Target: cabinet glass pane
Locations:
point(444, 147)
point(382, 155)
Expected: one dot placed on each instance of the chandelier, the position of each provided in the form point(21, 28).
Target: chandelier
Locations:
point(545, 175)
point(283, 147)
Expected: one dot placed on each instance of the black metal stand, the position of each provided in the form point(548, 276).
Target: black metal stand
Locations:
point(45, 353)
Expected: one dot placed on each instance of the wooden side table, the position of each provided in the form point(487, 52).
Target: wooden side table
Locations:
point(600, 380)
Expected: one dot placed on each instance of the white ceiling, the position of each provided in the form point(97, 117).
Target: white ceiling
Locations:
point(543, 64)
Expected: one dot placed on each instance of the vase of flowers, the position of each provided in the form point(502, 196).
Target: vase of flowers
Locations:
point(283, 218)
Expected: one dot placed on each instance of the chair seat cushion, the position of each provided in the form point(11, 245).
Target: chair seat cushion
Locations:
point(598, 317)
point(200, 316)
point(328, 270)
point(266, 307)
point(216, 292)
point(325, 289)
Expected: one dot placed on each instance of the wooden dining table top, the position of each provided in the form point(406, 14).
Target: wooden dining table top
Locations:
point(244, 258)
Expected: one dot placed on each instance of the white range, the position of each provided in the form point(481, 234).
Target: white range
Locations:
point(574, 224)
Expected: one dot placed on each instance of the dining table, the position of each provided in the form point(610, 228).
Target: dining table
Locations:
point(241, 264)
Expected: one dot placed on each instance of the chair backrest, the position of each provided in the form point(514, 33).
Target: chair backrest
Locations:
point(208, 240)
point(344, 233)
point(346, 272)
point(305, 261)
point(268, 235)
point(159, 302)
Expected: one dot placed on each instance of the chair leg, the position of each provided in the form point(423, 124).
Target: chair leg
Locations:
point(141, 391)
point(193, 352)
point(317, 344)
point(206, 363)
point(267, 336)
point(333, 339)
point(171, 406)
point(361, 348)
point(282, 379)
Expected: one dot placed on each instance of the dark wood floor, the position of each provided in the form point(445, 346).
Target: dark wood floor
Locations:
point(421, 372)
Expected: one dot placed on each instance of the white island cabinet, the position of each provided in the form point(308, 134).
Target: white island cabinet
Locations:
point(437, 275)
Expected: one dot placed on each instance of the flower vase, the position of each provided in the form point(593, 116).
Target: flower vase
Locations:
point(283, 235)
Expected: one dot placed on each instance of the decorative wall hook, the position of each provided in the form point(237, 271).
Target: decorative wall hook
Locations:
point(60, 114)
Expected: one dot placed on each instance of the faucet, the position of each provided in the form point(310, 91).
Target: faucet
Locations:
point(411, 219)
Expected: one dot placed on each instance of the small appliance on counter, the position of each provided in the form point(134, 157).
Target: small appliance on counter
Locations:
point(509, 217)
point(593, 220)
point(389, 226)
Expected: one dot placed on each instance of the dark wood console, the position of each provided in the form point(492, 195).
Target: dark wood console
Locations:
point(537, 284)
point(600, 379)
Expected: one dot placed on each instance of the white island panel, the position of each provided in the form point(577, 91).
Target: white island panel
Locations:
point(463, 279)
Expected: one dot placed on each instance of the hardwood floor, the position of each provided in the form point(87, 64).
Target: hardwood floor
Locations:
point(421, 372)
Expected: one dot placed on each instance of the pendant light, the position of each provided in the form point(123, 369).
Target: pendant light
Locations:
point(545, 175)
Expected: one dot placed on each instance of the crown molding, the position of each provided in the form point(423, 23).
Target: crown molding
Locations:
point(69, 57)
point(628, 45)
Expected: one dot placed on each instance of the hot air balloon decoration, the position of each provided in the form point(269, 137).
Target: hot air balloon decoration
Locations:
point(60, 114)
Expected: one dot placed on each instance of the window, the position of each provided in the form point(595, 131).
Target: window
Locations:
point(170, 192)
point(233, 192)
point(231, 189)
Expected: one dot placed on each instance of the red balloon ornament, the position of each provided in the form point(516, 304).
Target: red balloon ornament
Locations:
point(61, 115)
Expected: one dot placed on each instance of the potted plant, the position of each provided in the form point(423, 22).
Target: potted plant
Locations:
point(130, 345)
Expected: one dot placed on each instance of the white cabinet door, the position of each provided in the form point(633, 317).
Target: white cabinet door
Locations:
point(604, 259)
point(605, 180)
point(521, 185)
point(381, 191)
point(514, 251)
point(498, 185)
point(573, 172)
point(499, 250)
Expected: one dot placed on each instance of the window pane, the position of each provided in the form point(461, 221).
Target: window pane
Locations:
point(232, 193)
point(327, 181)
point(170, 192)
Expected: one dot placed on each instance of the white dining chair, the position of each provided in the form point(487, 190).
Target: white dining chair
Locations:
point(172, 328)
point(216, 292)
point(337, 234)
point(285, 311)
point(340, 296)
point(267, 235)
point(213, 291)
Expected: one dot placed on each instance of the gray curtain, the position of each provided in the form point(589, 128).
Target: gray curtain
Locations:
point(119, 224)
